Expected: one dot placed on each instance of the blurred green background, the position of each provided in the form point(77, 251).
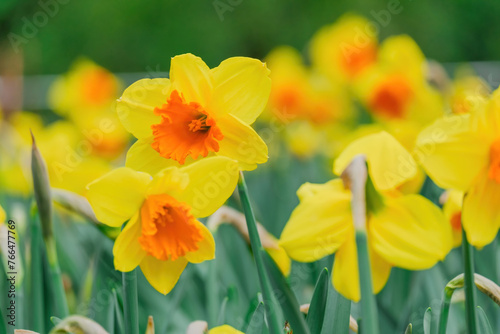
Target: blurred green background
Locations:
point(137, 35)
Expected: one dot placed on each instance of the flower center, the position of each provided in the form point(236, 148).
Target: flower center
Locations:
point(391, 97)
point(354, 60)
point(494, 172)
point(98, 87)
point(456, 221)
point(169, 230)
point(185, 129)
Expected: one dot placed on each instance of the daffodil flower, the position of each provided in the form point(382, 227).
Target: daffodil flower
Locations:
point(198, 112)
point(345, 49)
point(162, 234)
point(452, 209)
point(404, 231)
point(462, 152)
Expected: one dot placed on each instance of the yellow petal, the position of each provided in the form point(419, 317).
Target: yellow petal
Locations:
point(136, 106)
point(241, 88)
point(319, 224)
point(142, 157)
point(451, 152)
point(280, 257)
point(224, 329)
point(206, 247)
point(211, 182)
point(241, 143)
point(2, 215)
point(380, 269)
point(481, 217)
point(410, 232)
point(127, 251)
point(191, 77)
point(171, 180)
point(389, 163)
point(487, 120)
point(345, 269)
point(116, 196)
point(163, 275)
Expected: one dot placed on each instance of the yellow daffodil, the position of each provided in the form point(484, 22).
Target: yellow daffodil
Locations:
point(406, 231)
point(452, 209)
point(469, 92)
point(162, 234)
point(306, 105)
point(224, 329)
point(462, 152)
point(396, 87)
point(196, 113)
point(344, 49)
point(85, 88)
point(86, 96)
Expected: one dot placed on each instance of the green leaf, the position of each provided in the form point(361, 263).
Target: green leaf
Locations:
point(317, 307)
point(256, 324)
point(409, 329)
point(285, 296)
point(338, 309)
point(483, 324)
point(427, 321)
point(120, 324)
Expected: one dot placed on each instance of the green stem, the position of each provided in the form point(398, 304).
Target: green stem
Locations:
point(470, 290)
point(368, 304)
point(56, 278)
point(445, 310)
point(213, 302)
point(36, 277)
point(255, 243)
point(130, 302)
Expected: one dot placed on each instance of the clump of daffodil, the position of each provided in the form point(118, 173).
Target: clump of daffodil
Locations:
point(86, 87)
point(395, 88)
point(86, 96)
point(462, 152)
point(305, 105)
point(406, 231)
point(452, 209)
point(71, 164)
point(198, 112)
point(162, 234)
point(345, 49)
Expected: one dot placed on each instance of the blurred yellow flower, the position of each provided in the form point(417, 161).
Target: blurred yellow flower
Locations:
point(468, 92)
point(406, 231)
point(197, 113)
point(86, 96)
point(306, 105)
point(452, 209)
point(344, 49)
point(224, 329)
point(162, 234)
point(396, 87)
point(462, 152)
point(85, 88)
